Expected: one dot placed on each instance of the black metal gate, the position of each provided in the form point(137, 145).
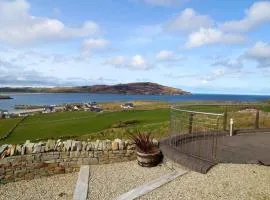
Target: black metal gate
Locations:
point(196, 133)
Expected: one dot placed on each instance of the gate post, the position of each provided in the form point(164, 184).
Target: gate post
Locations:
point(190, 122)
point(257, 119)
point(231, 127)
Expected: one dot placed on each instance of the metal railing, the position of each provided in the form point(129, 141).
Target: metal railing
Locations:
point(196, 130)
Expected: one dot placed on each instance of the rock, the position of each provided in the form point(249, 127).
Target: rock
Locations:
point(57, 145)
point(98, 145)
point(3, 148)
point(50, 145)
point(42, 150)
point(13, 150)
point(121, 145)
point(84, 146)
point(18, 149)
point(107, 145)
point(61, 146)
point(68, 145)
point(37, 148)
point(129, 145)
point(79, 145)
point(23, 150)
point(8, 150)
point(89, 146)
point(115, 146)
point(29, 148)
point(73, 145)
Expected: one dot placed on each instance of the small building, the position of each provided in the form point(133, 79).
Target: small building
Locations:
point(75, 108)
point(127, 106)
point(4, 114)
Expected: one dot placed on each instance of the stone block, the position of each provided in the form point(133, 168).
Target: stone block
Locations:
point(84, 146)
point(50, 161)
point(115, 146)
point(29, 147)
point(68, 145)
point(50, 145)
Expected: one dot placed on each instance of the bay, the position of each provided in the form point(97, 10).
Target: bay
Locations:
point(60, 98)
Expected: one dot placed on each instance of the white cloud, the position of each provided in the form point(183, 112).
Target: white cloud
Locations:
point(212, 36)
point(91, 45)
point(118, 61)
point(164, 2)
point(17, 26)
point(260, 53)
point(190, 20)
point(257, 14)
point(167, 56)
point(137, 62)
point(229, 63)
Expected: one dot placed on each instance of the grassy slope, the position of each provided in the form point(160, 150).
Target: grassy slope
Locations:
point(80, 123)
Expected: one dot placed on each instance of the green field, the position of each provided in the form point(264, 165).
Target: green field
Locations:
point(83, 124)
point(7, 124)
point(116, 124)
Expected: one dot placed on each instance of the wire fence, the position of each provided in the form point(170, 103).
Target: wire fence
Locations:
point(197, 130)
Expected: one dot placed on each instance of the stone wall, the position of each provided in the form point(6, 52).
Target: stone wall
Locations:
point(32, 160)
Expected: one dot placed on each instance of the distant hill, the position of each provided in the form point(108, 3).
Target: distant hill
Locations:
point(129, 88)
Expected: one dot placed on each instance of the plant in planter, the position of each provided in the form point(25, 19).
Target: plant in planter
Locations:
point(148, 154)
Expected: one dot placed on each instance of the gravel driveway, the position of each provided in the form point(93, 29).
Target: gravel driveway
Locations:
point(53, 187)
point(224, 181)
point(111, 180)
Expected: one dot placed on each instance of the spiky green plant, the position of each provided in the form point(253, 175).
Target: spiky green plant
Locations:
point(144, 142)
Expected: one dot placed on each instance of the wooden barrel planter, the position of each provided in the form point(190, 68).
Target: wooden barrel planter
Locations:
point(149, 159)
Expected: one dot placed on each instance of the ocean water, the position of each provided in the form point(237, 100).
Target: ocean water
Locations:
point(49, 98)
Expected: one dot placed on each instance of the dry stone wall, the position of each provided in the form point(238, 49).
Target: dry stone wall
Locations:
point(32, 160)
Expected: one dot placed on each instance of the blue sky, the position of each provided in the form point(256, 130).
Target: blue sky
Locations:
point(202, 46)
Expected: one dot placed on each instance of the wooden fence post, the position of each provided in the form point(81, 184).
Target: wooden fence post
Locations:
point(225, 119)
point(190, 122)
point(257, 119)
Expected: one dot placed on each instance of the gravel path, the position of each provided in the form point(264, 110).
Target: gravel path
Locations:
point(53, 187)
point(224, 181)
point(112, 180)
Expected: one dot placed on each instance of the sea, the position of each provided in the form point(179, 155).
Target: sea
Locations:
point(61, 98)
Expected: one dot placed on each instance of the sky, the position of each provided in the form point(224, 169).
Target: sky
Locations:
point(201, 46)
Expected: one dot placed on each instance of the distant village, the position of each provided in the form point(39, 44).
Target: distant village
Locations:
point(26, 110)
